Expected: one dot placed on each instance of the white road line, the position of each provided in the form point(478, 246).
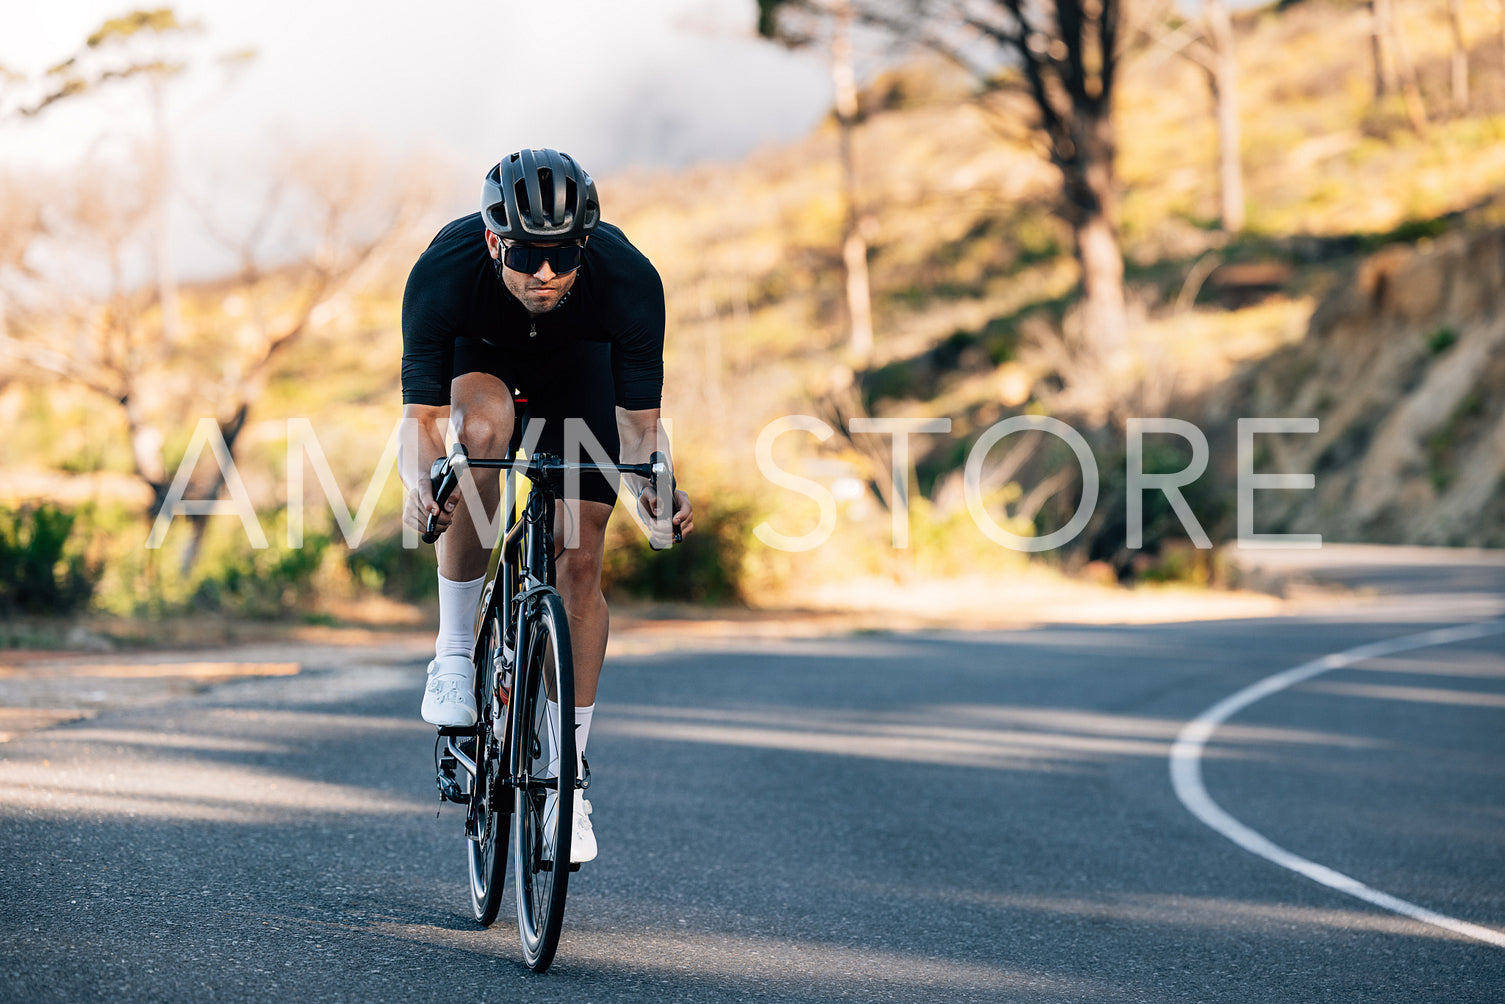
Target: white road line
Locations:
point(1186, 773)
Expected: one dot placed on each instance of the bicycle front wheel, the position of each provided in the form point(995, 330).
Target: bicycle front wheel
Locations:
point(490, 804)
point(543, 717)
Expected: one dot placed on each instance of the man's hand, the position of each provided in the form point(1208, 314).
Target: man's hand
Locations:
point(421, 505)
point(421, 444)
point(661, 531)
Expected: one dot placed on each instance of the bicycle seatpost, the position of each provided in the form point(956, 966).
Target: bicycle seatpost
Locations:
point(444, 475)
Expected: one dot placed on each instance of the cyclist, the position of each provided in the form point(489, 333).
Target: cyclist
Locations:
point(533, 296)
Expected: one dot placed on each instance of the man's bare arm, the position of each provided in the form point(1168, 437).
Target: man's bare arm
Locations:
point(421, 443)
point(642, 435)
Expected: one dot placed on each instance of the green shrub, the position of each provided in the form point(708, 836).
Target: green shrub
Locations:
point(707, 567)
point(40, 571)
point(1441, 340)
point(402, 573)
point(265, 583)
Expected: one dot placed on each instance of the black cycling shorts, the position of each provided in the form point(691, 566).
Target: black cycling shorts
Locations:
point(574, 383)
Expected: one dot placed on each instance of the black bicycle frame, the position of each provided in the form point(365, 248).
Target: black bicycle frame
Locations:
point(533, 536)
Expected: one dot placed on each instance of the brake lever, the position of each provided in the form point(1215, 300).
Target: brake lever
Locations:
point(444, 476)
point(660, 465)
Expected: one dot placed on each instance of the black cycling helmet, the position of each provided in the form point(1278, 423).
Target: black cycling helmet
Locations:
point(540, 195)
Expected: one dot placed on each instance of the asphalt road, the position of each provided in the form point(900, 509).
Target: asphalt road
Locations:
point(962, 817)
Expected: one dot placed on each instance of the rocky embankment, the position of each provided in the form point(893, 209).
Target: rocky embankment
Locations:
point(1404, 365)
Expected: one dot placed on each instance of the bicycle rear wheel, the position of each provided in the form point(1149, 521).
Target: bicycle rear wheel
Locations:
point(488, 825)
point(541, 832)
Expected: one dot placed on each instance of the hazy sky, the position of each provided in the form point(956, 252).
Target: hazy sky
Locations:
point(616, 82)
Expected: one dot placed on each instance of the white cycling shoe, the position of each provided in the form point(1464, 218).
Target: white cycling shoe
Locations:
point(449, 699)
point(582, 835)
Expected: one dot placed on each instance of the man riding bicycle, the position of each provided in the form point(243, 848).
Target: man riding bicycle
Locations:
point(533, 298)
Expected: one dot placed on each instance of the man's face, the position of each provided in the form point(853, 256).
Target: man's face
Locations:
point(540, 292)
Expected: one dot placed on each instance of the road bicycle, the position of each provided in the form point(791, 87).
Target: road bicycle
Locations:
point(504, 767)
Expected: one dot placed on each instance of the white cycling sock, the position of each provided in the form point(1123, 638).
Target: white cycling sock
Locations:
point(582, 733)
point(457, 616)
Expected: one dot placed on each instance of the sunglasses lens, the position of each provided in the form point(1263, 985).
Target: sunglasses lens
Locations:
point(528, 259)
point(566, 259)
point(524, 259)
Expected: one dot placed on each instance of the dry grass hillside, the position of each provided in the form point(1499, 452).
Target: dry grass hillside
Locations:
point(973, 284)
point(1364, 291)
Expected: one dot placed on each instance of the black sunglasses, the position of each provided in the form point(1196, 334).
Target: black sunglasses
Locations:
point(528, 258)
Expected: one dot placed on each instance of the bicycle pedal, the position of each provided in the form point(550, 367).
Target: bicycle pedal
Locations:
point(457, 730)
point(574, 866)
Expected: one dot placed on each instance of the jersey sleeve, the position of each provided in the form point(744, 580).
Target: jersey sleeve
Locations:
point(428, 336)
point(636, 323)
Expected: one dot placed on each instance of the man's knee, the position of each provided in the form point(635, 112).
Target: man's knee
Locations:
point(482, 413)
point(484, 435)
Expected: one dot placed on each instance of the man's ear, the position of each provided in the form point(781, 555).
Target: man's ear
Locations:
point(493, 243)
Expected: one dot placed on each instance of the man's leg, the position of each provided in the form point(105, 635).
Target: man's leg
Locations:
point(578, 571)
point(481, 410)
point(482, 413)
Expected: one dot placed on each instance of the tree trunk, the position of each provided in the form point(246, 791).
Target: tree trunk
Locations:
point(1416, 110)
point(1104, 318)
point(854, 244)
point(230, 431)
point(1460, 56)
point(1092, 209)
point(146, 452)
point(1381, 13)
point(1225, 94)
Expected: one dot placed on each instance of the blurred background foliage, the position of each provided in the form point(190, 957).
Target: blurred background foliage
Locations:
point(1360, 287)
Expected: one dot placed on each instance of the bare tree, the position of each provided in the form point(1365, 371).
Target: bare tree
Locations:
point(1222, 78)
point(797, 23)
point(1064, 54)
point(323, 216)
point(1386, 79)
point(91, 335)
point(1208, 43)
point(121, 48)
point(1459, 65)
point(1393, 68)
point(141, 45)
point(21, 202)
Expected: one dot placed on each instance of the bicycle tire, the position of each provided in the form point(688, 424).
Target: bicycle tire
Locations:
point(489, 825)
point(546, 670)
